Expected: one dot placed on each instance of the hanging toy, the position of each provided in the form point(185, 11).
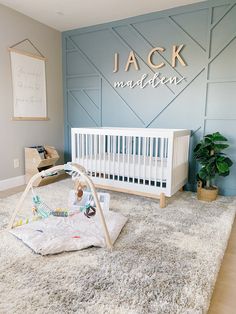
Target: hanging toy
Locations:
point(59, 212)
point(80, 201)
point(79, 189)
point(79, 192)
point(40, 207)
point(89, 208)
point(89, 211)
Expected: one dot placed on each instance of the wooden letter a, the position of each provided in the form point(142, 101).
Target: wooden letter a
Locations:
point(132, 59)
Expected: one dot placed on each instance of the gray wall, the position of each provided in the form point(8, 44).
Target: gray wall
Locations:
point(204, 102)
point(15, 135)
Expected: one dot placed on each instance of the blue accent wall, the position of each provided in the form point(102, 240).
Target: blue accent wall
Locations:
point(205, 101)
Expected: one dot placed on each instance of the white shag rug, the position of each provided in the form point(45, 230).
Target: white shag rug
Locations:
point(164, 261)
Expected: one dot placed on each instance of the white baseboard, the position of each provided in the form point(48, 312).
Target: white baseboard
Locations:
point(11, 182)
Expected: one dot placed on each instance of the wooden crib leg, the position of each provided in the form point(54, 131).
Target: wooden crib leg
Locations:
point(162, 200)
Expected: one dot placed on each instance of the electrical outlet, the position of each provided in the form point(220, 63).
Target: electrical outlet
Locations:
point(16, 163)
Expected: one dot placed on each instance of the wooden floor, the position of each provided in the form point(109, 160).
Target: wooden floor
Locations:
point(12, 191)
point(224, 295)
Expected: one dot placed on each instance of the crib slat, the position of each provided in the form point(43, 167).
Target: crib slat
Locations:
point(83, 150)
point(144, 158)
point(162, 153)
point(90, 154)
point(75, 148)
point(104, 163)
point(150, 158)
point(128, 157)
point(79, 146)
point(86, 150)
point(156, 161)
point(78, 150)
point(139, 158)
point(123, 159)
point(118, 170)
point(99, 153)
point(134, 158)
point(109, 154)
point(113, 157)
point(95, 154)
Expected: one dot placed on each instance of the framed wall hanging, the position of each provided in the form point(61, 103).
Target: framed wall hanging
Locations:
point(29, 85)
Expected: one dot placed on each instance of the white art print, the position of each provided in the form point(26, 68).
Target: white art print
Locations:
point(29, 86)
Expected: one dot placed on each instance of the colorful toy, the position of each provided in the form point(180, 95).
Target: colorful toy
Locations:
point(90, 211)
point(79, 188)
point(21, 222)
point(85, 203)
point(59, 212)
point(41, 210)
point(40, 207)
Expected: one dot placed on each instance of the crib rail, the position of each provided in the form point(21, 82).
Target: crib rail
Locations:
point(140, 160)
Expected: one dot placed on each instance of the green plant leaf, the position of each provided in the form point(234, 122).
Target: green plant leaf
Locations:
point(198, 146)
point(203, 174)
point(222, 166)
point(229, 161)
point(220, 158)
point(220, 147)
point(208, 137)
point(217, 137)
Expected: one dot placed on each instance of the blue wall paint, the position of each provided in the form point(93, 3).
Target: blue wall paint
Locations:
point(204, 102)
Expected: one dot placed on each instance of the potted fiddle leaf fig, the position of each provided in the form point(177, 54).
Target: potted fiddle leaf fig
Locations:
point(208, 152)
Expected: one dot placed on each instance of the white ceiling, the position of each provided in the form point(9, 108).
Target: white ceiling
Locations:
point(69, 14)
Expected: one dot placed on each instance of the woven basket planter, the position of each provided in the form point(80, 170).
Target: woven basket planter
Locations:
point(207, 195)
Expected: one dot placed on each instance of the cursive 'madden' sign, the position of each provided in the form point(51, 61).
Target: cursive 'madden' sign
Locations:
point(156, 79)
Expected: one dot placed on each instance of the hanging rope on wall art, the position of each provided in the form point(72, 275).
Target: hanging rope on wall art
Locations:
point(30, 42)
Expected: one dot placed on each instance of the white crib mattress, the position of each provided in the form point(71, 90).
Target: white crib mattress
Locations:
point(133, 166)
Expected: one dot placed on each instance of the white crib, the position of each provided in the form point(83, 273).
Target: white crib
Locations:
point(149, 162)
